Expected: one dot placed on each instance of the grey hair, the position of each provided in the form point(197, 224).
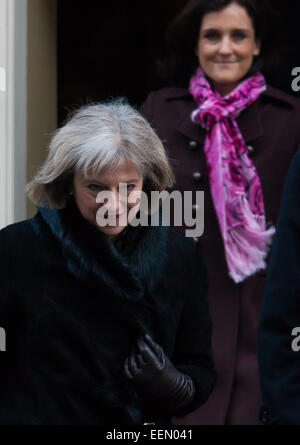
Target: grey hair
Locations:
point(100, 137)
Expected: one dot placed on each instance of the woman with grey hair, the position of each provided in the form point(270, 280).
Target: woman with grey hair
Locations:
point(101, 326)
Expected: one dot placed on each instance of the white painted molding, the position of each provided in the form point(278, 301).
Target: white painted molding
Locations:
point(3, 114)
point(13, 115)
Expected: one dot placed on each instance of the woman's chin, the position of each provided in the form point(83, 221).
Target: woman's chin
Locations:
point(111, 231)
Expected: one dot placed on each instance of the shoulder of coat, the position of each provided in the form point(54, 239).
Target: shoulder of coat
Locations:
point(296, 162)
point(169, 93)
point(280, 96)
point(18, 231)
point(275, 94)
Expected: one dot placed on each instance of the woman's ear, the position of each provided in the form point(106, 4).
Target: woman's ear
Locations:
point(257, 48)
point(70, 190)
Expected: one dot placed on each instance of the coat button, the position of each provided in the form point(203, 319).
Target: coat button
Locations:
point(193, 145)
point(250, 148)
point(197, 176)
point(264, 415)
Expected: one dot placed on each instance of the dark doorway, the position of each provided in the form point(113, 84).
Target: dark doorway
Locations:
point(109, 49)
point(289, 12)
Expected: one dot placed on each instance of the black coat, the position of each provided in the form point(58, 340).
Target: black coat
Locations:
point(73, 306)
point(279, 364)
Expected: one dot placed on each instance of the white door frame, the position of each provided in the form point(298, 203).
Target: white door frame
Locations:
point(13, 115)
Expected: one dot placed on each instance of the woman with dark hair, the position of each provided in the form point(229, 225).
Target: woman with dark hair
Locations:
point(232, 135)
point(181, 57)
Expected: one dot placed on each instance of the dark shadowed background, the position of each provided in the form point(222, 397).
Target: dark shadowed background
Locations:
point(109, 49)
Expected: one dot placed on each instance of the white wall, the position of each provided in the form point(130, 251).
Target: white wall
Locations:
point(3, 130)
point(41, 83)
point(13, 117)
point(13, 54)
point(28, 98)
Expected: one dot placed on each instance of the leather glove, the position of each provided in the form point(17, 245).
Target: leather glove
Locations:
point(156, 378)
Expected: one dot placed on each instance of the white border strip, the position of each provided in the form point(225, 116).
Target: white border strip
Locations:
point(3, 114)
point(13, 115)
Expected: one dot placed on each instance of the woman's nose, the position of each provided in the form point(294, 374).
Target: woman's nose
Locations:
point(225, 46)
point(113, 204)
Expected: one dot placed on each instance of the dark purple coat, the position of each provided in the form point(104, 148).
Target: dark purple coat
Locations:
point(271, 129)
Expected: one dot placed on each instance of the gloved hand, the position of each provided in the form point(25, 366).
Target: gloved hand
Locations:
point(156, 378)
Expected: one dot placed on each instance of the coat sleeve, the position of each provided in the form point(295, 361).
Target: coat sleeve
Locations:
point(279, 364)
point(7, 331)
point(5, 284)
point(10, 315)
point(193, 350)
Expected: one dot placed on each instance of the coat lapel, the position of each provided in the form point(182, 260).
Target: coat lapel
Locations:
point(185, 125)
point(250, 124)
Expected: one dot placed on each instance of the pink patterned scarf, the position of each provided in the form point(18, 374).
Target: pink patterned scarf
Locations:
point(234, 182)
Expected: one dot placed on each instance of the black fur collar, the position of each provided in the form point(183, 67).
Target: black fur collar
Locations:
point(89, 254)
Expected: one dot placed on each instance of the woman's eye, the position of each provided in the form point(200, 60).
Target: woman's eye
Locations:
point(130, 187)
point(94, 187)
point(211, 35)
point(239, 36)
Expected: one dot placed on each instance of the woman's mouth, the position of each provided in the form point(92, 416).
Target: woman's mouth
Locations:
point(225, 63)
point(116, 219)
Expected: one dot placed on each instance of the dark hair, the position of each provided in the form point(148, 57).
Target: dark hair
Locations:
point(182, 36)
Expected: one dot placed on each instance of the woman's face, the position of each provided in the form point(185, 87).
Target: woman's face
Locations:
point(226, 46)
point(117, 207)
